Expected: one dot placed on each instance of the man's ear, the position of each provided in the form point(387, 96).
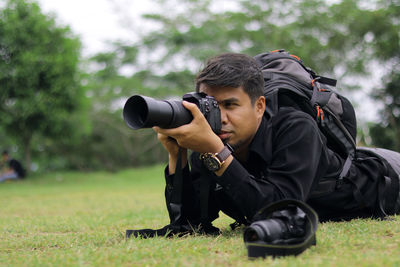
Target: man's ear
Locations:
point(260, 106)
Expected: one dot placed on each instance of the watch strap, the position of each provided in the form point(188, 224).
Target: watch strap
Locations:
point(223, 154)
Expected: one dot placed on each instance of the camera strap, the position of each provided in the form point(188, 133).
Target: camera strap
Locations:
point(204, 196)
point(263, 249)
point(176, 199)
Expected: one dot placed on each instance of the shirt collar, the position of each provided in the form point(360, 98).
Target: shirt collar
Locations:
point(261, 141)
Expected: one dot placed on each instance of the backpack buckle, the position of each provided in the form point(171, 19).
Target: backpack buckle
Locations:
point(320, 113)
point(339, 183)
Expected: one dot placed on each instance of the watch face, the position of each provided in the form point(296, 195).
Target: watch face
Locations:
point(212, 163)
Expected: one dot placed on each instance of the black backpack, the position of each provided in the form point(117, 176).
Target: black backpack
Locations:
point(288, 82)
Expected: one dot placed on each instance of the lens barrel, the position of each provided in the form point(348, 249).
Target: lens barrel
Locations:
point(146, 112)
point(266, 230)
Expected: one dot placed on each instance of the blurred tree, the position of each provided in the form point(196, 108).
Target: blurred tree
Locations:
point(385, 41)
point(328, 37)
point(387, 132)
point(40, 90)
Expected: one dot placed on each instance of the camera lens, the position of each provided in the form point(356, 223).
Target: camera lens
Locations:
point(252, 234)
point(145, 112)
point(135, 112)
point(266, 230)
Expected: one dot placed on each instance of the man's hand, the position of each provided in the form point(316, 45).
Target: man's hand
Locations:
point(172, 147)
point(197, 135)
point(168, 143)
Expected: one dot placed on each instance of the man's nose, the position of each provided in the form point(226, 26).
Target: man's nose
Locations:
point(224, 117)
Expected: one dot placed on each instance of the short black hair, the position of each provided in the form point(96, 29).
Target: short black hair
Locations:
point(233, 70)
point(5, 152)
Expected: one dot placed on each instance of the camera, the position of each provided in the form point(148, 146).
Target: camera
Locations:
point(286, 227)
point(283, 226)
point(145, 112)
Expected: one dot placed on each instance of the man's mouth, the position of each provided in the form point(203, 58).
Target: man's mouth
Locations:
point(224, 135)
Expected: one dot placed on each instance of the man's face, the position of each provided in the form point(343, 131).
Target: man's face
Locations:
point(240, 119)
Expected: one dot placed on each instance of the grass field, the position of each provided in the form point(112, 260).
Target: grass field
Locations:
point(79, 219)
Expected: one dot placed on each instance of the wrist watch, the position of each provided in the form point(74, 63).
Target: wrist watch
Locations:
point(214, 161)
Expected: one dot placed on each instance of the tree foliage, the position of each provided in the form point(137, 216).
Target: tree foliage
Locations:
point(40, 90)
point(387, 132)
point(326, 36)
point(386, 44)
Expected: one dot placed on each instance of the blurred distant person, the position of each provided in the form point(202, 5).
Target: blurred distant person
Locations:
point(12, 168)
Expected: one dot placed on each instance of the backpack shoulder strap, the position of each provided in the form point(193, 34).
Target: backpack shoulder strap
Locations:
point(271, 103)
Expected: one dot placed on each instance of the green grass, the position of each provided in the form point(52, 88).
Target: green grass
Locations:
point(79, 219)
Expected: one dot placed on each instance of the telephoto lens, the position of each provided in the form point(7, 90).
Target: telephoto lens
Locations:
point(146, 112)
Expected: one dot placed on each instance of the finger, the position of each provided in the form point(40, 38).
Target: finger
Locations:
point(162, 131)
point(193, 108)
point(162, 136)
point(166, 140)
point(168, 132)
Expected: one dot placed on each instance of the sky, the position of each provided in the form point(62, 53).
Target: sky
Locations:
point(97, 21)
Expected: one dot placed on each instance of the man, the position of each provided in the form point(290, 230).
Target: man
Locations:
point(263, 160)
point(12, 168)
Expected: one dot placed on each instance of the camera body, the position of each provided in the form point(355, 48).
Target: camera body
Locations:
point(208, 106)
point(146, 112)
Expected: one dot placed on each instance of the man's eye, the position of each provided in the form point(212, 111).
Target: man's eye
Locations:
point(230, 105)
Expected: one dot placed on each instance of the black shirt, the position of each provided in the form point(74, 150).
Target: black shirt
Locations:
point(17, 167)
point(286, 159)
